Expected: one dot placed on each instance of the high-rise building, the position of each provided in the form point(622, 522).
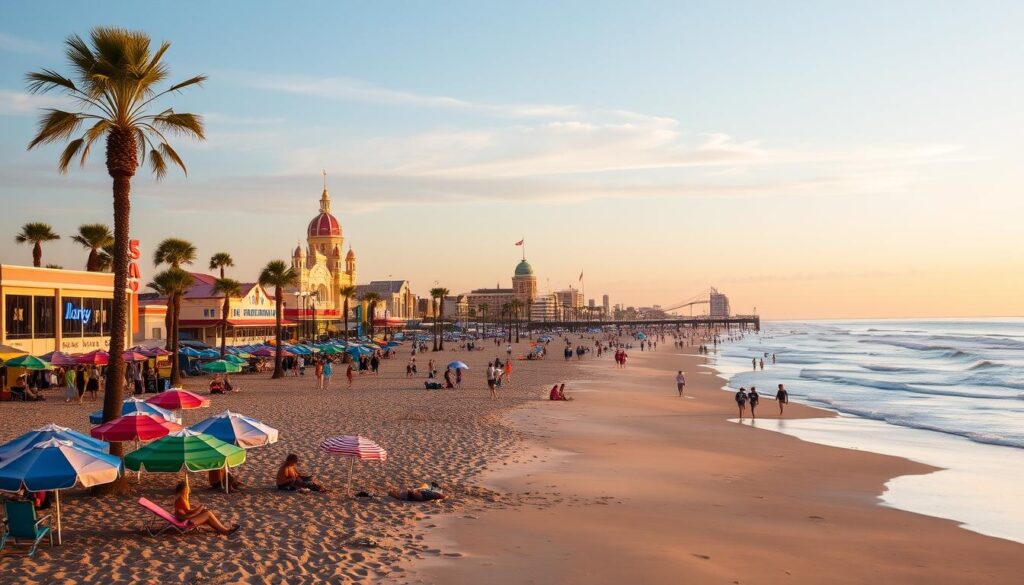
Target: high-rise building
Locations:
point(568, 300)
point(606, 305)
point(719, 304)
point(592, 303)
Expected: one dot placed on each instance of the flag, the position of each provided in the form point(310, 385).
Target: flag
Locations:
point(581, 276)
point(520, 242)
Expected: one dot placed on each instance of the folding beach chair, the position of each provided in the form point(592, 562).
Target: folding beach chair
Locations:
point(21, 523)
point(161, 514)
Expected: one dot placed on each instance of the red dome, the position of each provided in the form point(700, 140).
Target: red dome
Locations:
point(324, 225)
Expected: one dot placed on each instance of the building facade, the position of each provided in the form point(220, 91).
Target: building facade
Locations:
point(397, 300)
point(45, 310)
point(569, 300)
point(323, 271)
point(719, 304)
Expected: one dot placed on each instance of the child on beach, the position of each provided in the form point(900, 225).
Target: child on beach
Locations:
point(782, 397)
point(741, 401)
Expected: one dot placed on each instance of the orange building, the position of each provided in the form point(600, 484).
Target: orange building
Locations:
point(44, 309)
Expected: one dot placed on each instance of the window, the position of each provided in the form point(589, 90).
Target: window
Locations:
point(72, 322)
point(18, 315)
point(92, 317)
point(108, 307)
point(44, 316)
point(158, 333)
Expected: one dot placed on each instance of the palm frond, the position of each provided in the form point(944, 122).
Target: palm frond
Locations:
point(197, 80)
point(166, 150)
point(181, 124)
point(70, 151)
point(56, 125)
point(92, 135)
point(46, 80)
point(157, 164)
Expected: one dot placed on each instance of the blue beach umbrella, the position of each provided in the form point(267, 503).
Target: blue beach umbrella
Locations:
point(55, 465)
point(130, 405)
point(51, 431)
point(209, 354)
point(458, 365)
point(237, 429)
point(188, 352)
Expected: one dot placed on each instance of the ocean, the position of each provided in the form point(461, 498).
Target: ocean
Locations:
point(948, 393)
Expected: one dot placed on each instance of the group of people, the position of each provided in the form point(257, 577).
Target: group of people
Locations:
point(744, 397)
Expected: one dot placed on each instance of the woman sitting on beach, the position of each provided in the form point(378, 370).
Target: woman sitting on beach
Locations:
point(290, 479)
point(558, 393)
point(216, 387)
point(198, 515)
point(424, 493)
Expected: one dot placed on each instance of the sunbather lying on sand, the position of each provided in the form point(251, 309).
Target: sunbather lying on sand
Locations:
point(424, 493)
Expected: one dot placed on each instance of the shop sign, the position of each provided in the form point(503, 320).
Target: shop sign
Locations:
point(73, 313)
point(133, 268)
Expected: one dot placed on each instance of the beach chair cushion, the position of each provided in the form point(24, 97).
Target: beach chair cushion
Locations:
point(167, 516)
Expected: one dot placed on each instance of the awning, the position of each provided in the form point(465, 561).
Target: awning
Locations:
point(389, 322)
point(234, 322)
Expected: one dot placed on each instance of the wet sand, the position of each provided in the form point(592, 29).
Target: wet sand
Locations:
point(631, 484)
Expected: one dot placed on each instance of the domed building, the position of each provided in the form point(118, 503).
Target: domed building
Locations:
point(536, 306)
point(524, 282)
point(323, 270)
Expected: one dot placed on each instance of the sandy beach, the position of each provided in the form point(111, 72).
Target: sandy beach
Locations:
point(627, 483)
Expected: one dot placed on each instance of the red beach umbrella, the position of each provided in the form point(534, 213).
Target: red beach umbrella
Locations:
point(178, 399)
point(355, 447)
point(135, 426)
point(94, 358)
point(134, 356)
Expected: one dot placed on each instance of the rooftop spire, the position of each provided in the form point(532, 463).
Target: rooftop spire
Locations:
point(325, 199)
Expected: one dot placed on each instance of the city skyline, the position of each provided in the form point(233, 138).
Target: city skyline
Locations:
point(768, 153)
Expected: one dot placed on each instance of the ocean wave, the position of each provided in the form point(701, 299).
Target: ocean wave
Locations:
point(842, 378)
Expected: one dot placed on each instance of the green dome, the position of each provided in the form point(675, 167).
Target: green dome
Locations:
point(524, 269)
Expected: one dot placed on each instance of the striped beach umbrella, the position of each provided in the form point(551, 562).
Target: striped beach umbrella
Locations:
point(134, 426)
point(185, 450)
point(130, 405)
point(45, 433)
point(237, 429)
point(178, 399)
point(355, 447)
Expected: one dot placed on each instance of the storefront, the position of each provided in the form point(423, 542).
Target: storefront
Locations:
point(44, 310)
point(251, 316)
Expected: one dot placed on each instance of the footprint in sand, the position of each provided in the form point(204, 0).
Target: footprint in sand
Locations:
point(700, 556)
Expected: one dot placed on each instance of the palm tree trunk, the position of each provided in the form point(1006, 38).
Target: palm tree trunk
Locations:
point(114, 387)
point(92, 264)
point(224, 328)
point(176, 342)
point(440, 330)
point(345, 316)
point(169, 321)
point(37, 255)
point(278, 371)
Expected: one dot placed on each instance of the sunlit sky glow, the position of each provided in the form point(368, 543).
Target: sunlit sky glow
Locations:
point(812, 160)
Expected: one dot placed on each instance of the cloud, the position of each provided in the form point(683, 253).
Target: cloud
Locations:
point(20, 103)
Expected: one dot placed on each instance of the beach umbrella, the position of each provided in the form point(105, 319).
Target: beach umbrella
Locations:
point(134, 356)
point(156, 351)
point(130, 405)
point(237, 429)
point(355, 447)
point(456, 365)
point(235, 359)
point(178, 399)
point(269, 352)
point(7, 352)
point(134, 426)
point(221, 367)
point(54, 465)
point(96, 357)
point(45, 433)
point(58, 358)
point(331, 350)
point(28, 362)
point(188, 352)
point(185, 450)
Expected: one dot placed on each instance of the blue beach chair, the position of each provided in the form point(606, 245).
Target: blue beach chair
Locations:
point(21, 523)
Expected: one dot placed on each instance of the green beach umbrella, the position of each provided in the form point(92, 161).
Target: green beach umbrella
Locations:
point(221, 367)
point(185, 450)
point(28, 362)
point(238, 361)
point(331, 350)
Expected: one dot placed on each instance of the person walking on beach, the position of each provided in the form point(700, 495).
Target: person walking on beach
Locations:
point(753, 363)
point(318, 370)
point(328, 372)
point(508, 352)
point(80, 382)
point(773, 358)
point(69, 380)
point(741, 401)
point(93, 385)
point(753, 397)
point(762, 365)
point(375, 365)
point(508, 370)
point(348, 374)
point(491, 379)
point(680, 382)
point(782, 397)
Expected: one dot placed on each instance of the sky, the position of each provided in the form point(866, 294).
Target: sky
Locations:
point(810, 160)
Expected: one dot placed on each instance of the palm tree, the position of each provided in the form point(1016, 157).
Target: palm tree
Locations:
point(36, 233)
point(229, 288)
point(347, 293)
point(115, 88)
point(94, 237)
point(506, 309)
point(221, 260)
point(371, 298)
point(280, 276)
point(516, 305)
point(483, 309)
point(105, 258)
point(439, 293)
point(172, 282)
point(174, 251)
